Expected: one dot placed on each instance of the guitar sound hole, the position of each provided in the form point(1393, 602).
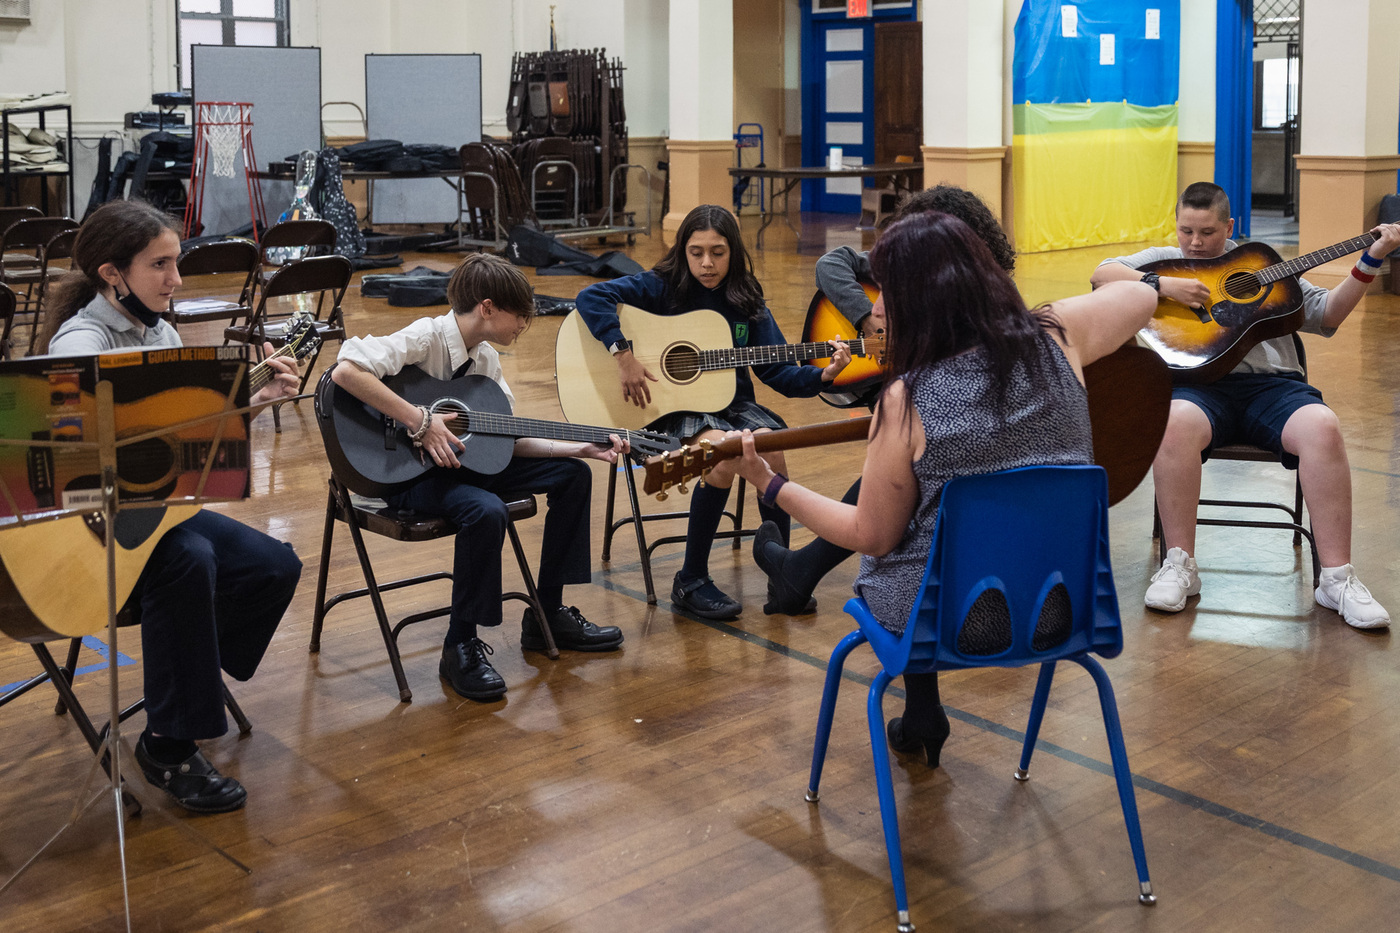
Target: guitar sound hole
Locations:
point(144, 463)
point(1241, 286)
point(681, 363)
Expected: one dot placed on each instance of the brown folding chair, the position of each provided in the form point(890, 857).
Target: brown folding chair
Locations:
point(8, 303)
point(292, 287)
point(362, 514)
point(205, 264)
point(57, 260)
point(24, 627)
point(308, 238)
point(1252, 454)
point(22, 257)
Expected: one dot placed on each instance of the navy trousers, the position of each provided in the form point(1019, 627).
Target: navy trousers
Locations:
point(209, 599)
point(476, 504)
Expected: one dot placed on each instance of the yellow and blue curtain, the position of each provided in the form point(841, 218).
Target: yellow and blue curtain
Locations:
point(1094, 143)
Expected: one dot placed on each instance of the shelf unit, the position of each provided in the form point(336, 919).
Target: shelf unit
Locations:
point(11, 174)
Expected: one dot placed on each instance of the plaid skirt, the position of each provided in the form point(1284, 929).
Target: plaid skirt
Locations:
point(737, 417)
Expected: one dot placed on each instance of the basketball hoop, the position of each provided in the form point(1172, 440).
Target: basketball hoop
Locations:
point(222, 127)
point(222, 130)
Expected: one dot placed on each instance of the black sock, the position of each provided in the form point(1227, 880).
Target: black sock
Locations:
point(706, 509)
point(921, 703)
point(166, 750)
point(778, 517)
point(809, 564)
point(551, 597)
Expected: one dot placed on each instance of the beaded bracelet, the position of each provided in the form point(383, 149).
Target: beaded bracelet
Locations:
point(422, 431)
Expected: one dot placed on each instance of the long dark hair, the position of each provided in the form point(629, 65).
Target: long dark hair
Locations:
point(945, 293)
point(740, 286)
point(116, 232)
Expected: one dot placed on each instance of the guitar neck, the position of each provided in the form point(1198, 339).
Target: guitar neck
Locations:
point(666, 470)
point(261, 374)
point(230, 455)
point(1282, 270)
point(738, 357)
point(485, 422)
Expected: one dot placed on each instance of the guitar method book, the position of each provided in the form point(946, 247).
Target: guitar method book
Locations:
point(155, 392)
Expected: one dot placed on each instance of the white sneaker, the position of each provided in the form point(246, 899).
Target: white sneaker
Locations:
point(1349, 596)
point(1176, 582)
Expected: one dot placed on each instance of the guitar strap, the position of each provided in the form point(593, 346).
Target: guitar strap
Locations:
point(462, 370)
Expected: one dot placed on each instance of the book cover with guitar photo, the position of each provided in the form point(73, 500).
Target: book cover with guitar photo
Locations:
point(166, 407)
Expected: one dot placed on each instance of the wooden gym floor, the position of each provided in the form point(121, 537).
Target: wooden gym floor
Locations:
point(661, 787)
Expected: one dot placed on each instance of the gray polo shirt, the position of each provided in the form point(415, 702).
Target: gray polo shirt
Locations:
point(1269, 356)
point(98, 327)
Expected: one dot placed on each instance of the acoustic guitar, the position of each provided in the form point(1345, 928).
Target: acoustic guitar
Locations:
point(1254, 296)
point(1129, 400)
point(53, 571)
point(692, 353)
point(373, 456)
point(864, 375)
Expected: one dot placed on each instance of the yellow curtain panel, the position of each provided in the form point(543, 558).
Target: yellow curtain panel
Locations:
point(1093, 173)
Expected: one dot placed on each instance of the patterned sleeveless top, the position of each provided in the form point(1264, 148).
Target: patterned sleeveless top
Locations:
point(956, 400)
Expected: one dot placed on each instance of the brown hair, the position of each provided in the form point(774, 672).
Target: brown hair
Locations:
point(971, 210)
point(483, 276)
point(1206, 196)
point(116, 232)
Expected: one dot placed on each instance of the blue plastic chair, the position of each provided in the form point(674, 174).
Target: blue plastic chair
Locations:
point(1030, 546)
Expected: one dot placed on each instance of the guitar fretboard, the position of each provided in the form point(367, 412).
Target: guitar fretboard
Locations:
point(735, 357)
point(230, 455)
point(1282, 270)
point(485, 422)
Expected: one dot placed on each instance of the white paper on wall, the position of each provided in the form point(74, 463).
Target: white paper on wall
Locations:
point(1106, 49)
point(1069, 21)
point(1154, 24)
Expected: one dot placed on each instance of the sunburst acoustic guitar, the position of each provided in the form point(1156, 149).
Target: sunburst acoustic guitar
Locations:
point(693, 354)
point(864, 374)
point(1254, 296)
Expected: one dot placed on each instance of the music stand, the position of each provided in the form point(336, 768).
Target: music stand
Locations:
point(81, 413)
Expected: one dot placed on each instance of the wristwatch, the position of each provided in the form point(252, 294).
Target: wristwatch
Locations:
point(618, 347)
point(1151, 278)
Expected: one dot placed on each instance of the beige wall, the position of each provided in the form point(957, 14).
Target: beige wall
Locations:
point(759, 95)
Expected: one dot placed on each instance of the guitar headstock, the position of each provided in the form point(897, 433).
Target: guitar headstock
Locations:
point(301, 339)
point(874, 347)
point(651, 444)
point(678, 467)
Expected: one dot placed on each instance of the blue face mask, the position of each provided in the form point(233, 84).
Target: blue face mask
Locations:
point(137, 308)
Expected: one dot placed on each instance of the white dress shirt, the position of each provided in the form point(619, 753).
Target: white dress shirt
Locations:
point(434, 345)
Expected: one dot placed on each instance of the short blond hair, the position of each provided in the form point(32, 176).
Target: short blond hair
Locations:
point(483, 276)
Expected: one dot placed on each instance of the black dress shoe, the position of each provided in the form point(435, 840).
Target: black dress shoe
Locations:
point(194, 783)
point(465, 668)
point(702, 598)
point(928, 746)
point(771, 555)
point(572, 632)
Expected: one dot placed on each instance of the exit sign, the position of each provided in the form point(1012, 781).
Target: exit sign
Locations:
point(857, 8)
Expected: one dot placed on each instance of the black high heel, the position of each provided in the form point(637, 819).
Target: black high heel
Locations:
point(930, 745)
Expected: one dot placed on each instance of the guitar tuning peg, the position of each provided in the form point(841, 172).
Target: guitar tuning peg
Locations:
point(684, 490)
point(661, 496)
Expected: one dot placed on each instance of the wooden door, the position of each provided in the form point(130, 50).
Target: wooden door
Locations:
point(899, 90)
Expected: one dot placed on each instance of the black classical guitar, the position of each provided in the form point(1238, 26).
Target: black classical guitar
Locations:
point(373, 456)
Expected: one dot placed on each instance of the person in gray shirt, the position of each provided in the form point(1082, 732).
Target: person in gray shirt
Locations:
point(1264, 401)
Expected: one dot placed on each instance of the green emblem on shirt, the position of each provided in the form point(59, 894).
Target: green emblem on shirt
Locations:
point(741, 334)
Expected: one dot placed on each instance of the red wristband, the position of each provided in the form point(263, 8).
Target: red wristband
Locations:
point(1362, 276)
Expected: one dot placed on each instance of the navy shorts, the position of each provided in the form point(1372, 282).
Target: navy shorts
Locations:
point(1251, 408)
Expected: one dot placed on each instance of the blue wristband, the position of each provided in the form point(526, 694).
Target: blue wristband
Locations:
point(1373, 263)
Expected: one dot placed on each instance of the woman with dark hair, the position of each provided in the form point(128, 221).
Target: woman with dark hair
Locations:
point(214, 590)
point(793, 575)
point(707, 268)
point(976, 383)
